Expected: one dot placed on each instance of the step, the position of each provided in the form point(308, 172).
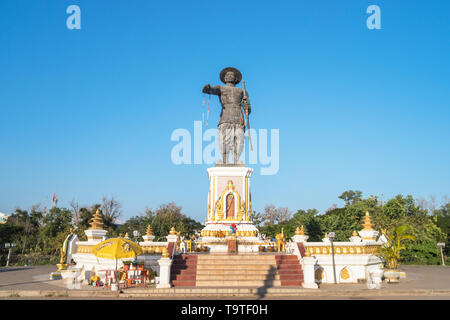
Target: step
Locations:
point(238, 283)
point(183, 267)
point(289, 267)
point(184, 260)
point(185, 277)
point(291, 277)
point(237, 267)
point(174, 274)
point(239, 261)
point(237, 272)
point(236, 258)
point(221, 277)
point(232, 263)
point(296, 283)
point(182, 283)
point(287, 261)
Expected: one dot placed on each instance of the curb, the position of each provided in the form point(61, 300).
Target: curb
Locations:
point(213, 292)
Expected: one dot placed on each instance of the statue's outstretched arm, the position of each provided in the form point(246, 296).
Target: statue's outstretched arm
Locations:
point(211, 90)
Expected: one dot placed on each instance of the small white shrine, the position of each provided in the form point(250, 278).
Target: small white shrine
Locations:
point(345, 262)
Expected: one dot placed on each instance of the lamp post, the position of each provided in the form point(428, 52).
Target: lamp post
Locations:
point(9, 246)
point(440, 246)
point(136, 235)
point(331, 236)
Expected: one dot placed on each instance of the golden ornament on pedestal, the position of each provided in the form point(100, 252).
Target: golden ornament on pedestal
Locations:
point(97, 221)
point(367, 222)
point(165, 252)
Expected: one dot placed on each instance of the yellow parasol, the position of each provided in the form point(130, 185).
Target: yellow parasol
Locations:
point(117, 248)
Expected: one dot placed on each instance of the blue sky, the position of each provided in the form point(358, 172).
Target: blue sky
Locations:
point(86, 113)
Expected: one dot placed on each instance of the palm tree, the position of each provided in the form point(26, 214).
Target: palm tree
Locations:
point(390, 251)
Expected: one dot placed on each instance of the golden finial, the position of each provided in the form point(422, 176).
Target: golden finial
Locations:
point(326, 235)
point(126, 235)
point(367, 222)
point(149, 231)
point(300, 231)
point(354, 234)
point(383, 231)
point(165, 252)
point(97, 221)
point(173, 231)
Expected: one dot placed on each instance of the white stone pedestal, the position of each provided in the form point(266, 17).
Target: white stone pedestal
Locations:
point(300, 238)
point(309, 280)
point(228, 181)
point(95, 235)
point(164, 273)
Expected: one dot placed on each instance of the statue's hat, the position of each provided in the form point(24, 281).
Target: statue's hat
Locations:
point(237, 74)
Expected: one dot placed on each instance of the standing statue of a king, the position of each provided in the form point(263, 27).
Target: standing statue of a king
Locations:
point(234, 103)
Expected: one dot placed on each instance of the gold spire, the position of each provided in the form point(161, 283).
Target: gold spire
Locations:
point(367, 222)
point(326, 235)
point(97, 221)
point(173, 231)
point(165, 252)
point(126, 235)
point(383, 231)
point(354, 234)
point(149, 231)
point(300, 231)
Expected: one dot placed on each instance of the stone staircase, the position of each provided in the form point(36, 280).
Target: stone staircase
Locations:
point(241, 270)
point(290, 270)
point(184, 270)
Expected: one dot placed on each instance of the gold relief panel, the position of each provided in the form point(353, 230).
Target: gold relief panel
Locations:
point(344, 250)
point(338, 250)
point(352, 250)
point(84, 249)
point(345, 275)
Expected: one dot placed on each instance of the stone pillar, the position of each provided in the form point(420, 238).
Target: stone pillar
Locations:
point(164, 273)
point(309, 279)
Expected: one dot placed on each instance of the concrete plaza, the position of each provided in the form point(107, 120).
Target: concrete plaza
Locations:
point(421, 282)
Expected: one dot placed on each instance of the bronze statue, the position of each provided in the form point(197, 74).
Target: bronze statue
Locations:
point(234, 103)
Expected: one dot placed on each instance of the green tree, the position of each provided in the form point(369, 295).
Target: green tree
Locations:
point(350, 197)
point(56, 224)
point(162, 220)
